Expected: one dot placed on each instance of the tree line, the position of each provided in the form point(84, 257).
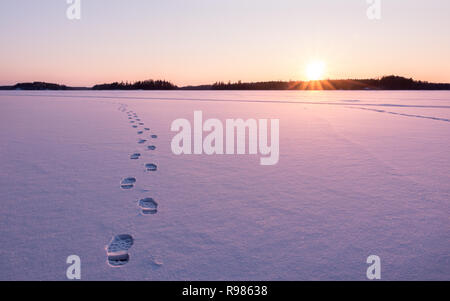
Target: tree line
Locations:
point(139, 85)
point(391, 82)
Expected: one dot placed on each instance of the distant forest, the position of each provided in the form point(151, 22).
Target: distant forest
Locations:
point(385, 83)
point(35, 86)
point(139, 85)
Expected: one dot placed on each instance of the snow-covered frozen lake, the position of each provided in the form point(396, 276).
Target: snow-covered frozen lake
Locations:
point(359, 173)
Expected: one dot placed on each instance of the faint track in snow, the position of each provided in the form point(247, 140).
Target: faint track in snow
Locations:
point(404, 114)
point(342, 102)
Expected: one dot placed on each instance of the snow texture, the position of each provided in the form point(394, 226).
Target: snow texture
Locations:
point(360, 173)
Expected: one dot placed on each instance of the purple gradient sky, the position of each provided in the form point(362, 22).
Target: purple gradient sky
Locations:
point(202, 41)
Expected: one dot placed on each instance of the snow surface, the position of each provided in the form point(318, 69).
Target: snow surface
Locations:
point(360, 173)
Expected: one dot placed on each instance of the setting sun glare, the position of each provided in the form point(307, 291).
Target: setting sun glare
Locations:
point(315, 70)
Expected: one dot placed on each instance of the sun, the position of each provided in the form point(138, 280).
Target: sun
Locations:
point(315, 70)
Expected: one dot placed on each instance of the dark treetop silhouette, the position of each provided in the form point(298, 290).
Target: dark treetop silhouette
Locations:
point(385, 83)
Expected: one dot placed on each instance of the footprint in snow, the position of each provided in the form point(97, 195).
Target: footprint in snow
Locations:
point(135, 156)
point(117, 250)
point(148, 206)
point(142, 141)
point(151, 147)
point(151, 167)
point(127, 183)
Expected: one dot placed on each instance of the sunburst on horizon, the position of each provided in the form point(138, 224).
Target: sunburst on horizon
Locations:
point(315, 70)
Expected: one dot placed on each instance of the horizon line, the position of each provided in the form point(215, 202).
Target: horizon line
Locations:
point(221, 82)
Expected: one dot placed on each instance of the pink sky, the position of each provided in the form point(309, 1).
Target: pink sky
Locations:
point(196, 42)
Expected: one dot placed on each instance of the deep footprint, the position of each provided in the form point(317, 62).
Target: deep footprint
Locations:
point(117, 250)
point(148, 206)
point(151, 147)
point(151, 167)
point(142, 141)
point(154, 136)
point(127, 183)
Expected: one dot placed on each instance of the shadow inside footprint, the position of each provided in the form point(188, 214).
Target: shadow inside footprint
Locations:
point(127, 183)
point(134, 126)
point(140, 132)
point(147, 129)
point(142, 141)
point(151, 147)
point(154, 136)
point(148, 206)
point(151, 167)
point(117, 250)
